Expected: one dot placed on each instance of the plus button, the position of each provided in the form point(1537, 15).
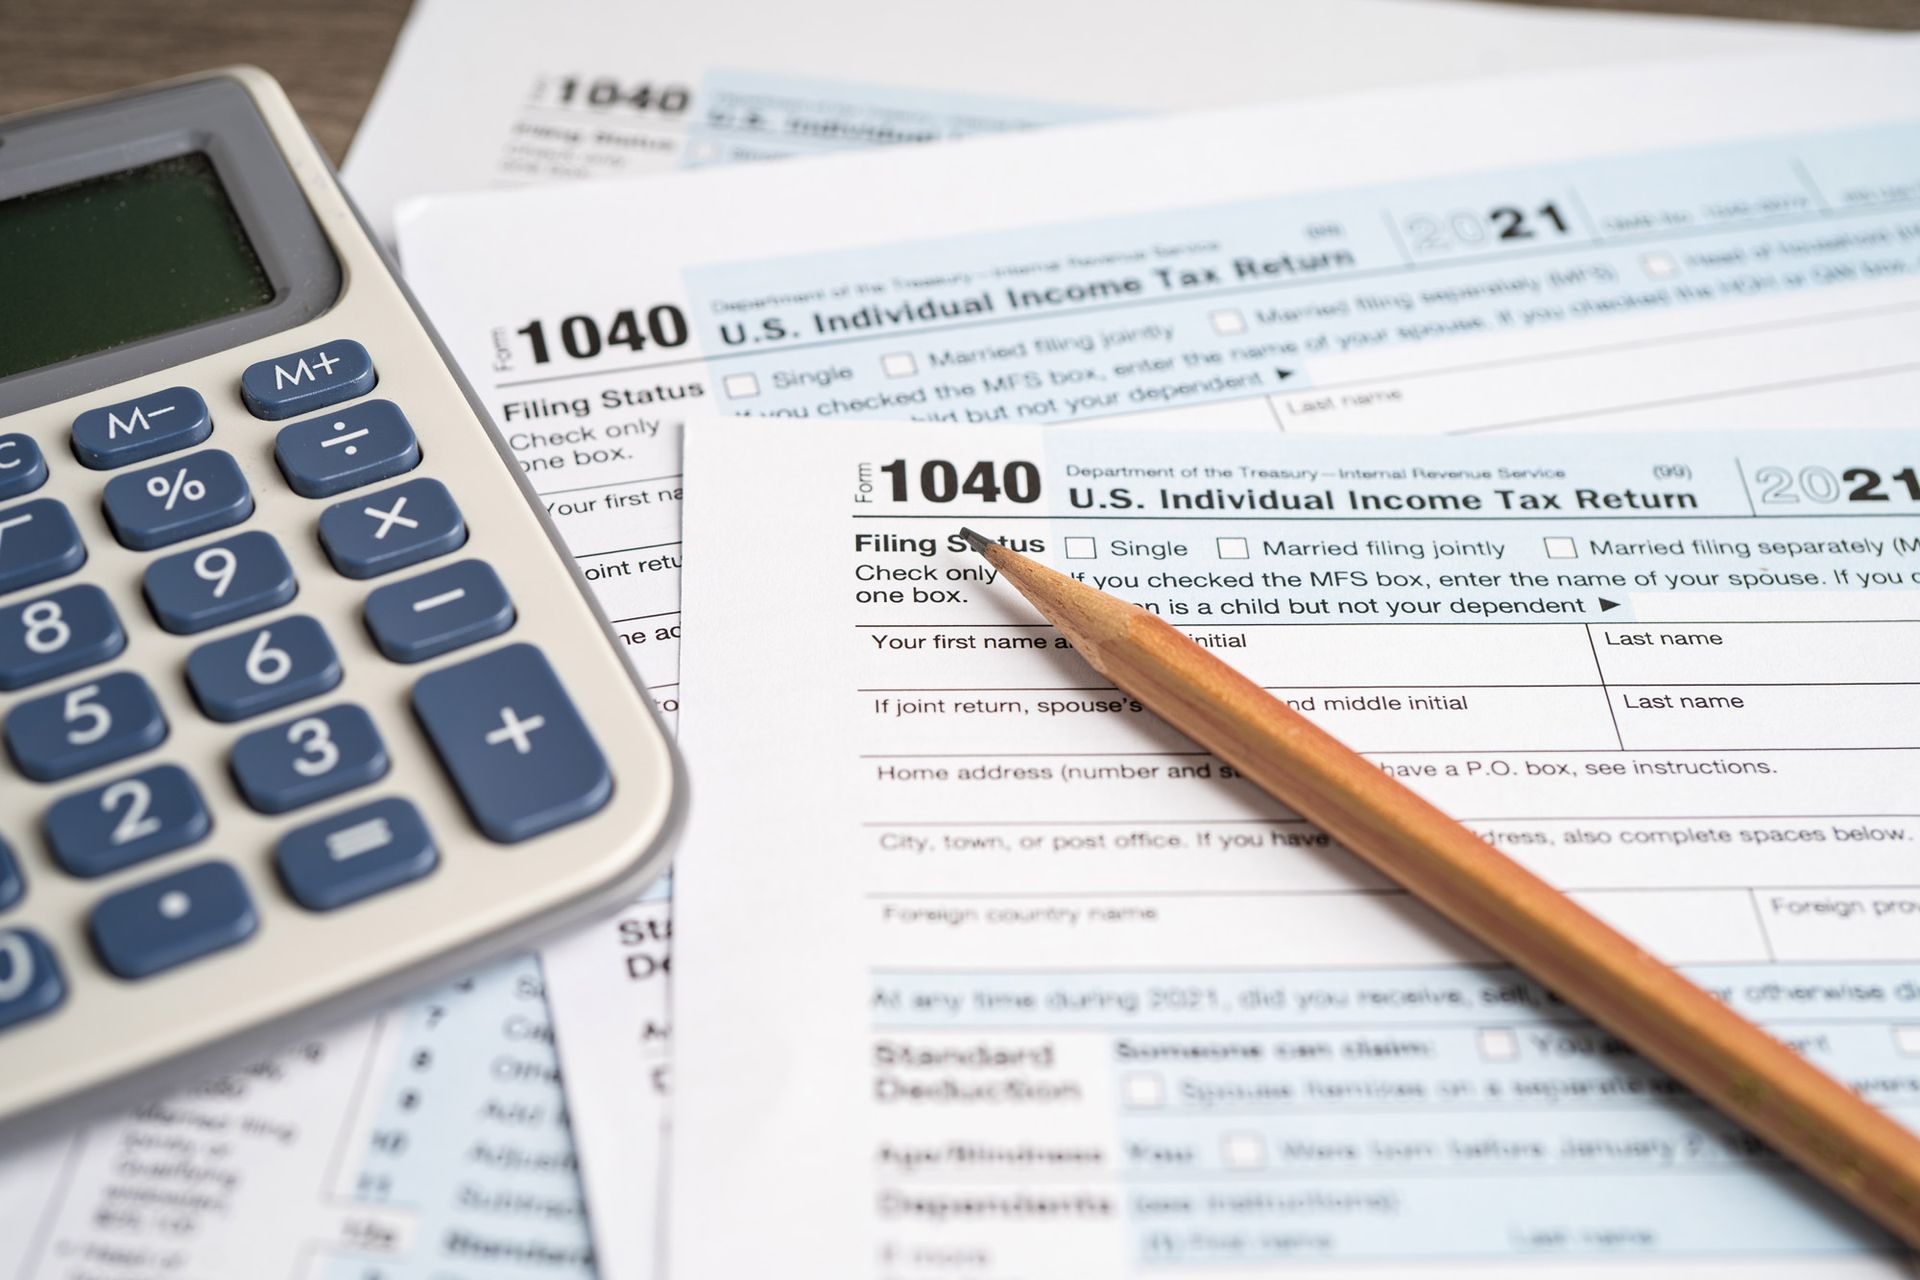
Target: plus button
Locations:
point(515, 730)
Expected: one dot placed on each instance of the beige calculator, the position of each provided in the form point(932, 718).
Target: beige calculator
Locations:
point(302, 702)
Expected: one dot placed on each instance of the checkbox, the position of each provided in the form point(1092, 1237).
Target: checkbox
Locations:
point(741, 386)
point(1659, 266)
point(900, 364)
point(1243, 1151)
point(1080, 549)
point(1561, 549)
point(1229, 322)
point(1499, 1045)
point(1143, 1091)
point(1907, 1041)
point(1231, 548)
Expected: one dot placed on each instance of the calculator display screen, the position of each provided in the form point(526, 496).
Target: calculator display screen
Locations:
point(128, 255)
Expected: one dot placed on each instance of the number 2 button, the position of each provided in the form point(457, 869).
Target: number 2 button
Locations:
point(259, 670)
point(84, 727)
point(309, 759)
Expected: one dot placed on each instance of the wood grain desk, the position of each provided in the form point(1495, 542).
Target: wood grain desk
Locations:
point(329, 53)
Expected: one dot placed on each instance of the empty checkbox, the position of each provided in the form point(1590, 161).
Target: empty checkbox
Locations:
point(1499, 1045)
point(1080, 549)
point(740, 386)
point(1144, 1090)
point(1229, 322)
point(1243, 1151)
point(1907, 1041)
point(1659, 266)
point(899, 364)
point(1231, 548)
point(1561, 549)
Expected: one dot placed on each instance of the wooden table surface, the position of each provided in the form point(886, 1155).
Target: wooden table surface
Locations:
point(329, 53)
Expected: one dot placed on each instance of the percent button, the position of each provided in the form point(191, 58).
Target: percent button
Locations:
point(181, 498)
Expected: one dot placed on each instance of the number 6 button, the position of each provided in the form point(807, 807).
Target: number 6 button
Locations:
point(84, 727)
point(259, 670)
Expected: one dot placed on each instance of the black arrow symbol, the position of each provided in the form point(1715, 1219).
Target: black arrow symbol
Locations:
point(1282, 374)
point(1606, 604)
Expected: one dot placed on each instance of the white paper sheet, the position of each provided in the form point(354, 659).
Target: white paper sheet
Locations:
point(726, 249)
point(989, 973)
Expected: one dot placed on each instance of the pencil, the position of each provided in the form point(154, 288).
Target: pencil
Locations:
point(1820, 1124)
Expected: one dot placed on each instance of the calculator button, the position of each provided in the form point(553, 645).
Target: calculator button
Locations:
point(23, 468)
point(155, 926)
point(135, 430)
point(340, 451)
point(30, 981)
point(221, 582)
point(61, 734)
point(306, 380)
point(439, 611)
point(309, 759)
point(263, 669)
point(179, 499)
point(38, 541)
point(74, 627)
point(126, 821)
point(12, 885)
point(354, 855)
point(381, 532)
point(522, 758)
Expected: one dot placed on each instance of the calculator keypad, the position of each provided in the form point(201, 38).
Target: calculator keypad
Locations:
point(309, 759)
point(439, 611)
point(307, 380)
point(42, 639)
point(219, 583)
point(168, 921)
point(23, 468)
point(84, 727)
point(30, 980)
point(263, 669)
point(180, 498)
point(127, 820)
point(119, 435)
point(392, 529)
point(353, 855)
point(38, 542)
point(354, 446)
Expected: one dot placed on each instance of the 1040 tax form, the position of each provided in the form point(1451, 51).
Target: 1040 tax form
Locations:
point(998, 976)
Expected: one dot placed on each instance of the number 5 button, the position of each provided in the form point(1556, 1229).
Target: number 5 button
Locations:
point(84, 727)
point(259, 670)
point(521, 756)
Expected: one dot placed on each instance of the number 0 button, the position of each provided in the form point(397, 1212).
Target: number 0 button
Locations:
point(259, 670)
point(309, 759)
point(89, 725)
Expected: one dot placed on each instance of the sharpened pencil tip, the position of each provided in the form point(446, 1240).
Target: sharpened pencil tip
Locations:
point(978, 541)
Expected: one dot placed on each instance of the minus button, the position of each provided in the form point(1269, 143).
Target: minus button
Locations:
point(440, 611)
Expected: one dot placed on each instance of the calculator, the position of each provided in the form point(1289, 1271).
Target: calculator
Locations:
point(302, 702)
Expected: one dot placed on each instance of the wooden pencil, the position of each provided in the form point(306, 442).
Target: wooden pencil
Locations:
point(1814, 1120)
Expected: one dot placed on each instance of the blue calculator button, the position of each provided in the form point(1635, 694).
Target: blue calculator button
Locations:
point(306, 380)
point(179, 499)
point(23, 468)
point(30, 981)
point(260, 670)
point(354, 855)
point(12, 885)
point(135, 430)
point(346, 449)
point(126, 821)
point(381, 532)
point(65, 733)
point(155, 926)
point(309, 759)
point(221, 582)
point(38, 541)
point(439, 611)
point(74, 627)
point(520, 755)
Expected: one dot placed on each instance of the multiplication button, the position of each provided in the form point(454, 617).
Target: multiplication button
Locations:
point(346, 449)
point(520, 755)
point(381, 532)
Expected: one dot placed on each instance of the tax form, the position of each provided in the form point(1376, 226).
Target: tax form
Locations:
point(998, 976)
point(1747, 264)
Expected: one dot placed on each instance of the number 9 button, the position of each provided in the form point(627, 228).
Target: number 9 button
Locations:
point(219, 583)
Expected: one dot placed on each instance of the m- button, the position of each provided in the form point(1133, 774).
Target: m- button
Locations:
point(521, 757)
point(307, 380)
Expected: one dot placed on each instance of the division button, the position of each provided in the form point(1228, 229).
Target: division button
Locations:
point(164, 923)
point(38, 541)
point(23, 468)
point(30, 980)
point(146, 427)
point(345, 449)
point(178, 499)
point(56, 634)
point(520, 755)
point(218, 583)
point(354, 855)
point(439, 611)
point(309, 759)
point(61, 734)
point(380, 532)
point(263, 669)
point(307, 380)
point(126, 821)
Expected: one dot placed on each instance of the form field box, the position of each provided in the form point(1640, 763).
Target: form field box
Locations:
point(1243, 1151)
point(1659, 265)
point(1143, 1091)
point(899, 364)
point(1907, 1040)
point(1561, 549)
point(1080, 549)
point(1228, 321)
point(1497, 1044)
point(1232, 548)
point(741, 386)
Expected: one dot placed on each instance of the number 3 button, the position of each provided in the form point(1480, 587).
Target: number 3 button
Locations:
point(259, 670)
point(309, 759)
